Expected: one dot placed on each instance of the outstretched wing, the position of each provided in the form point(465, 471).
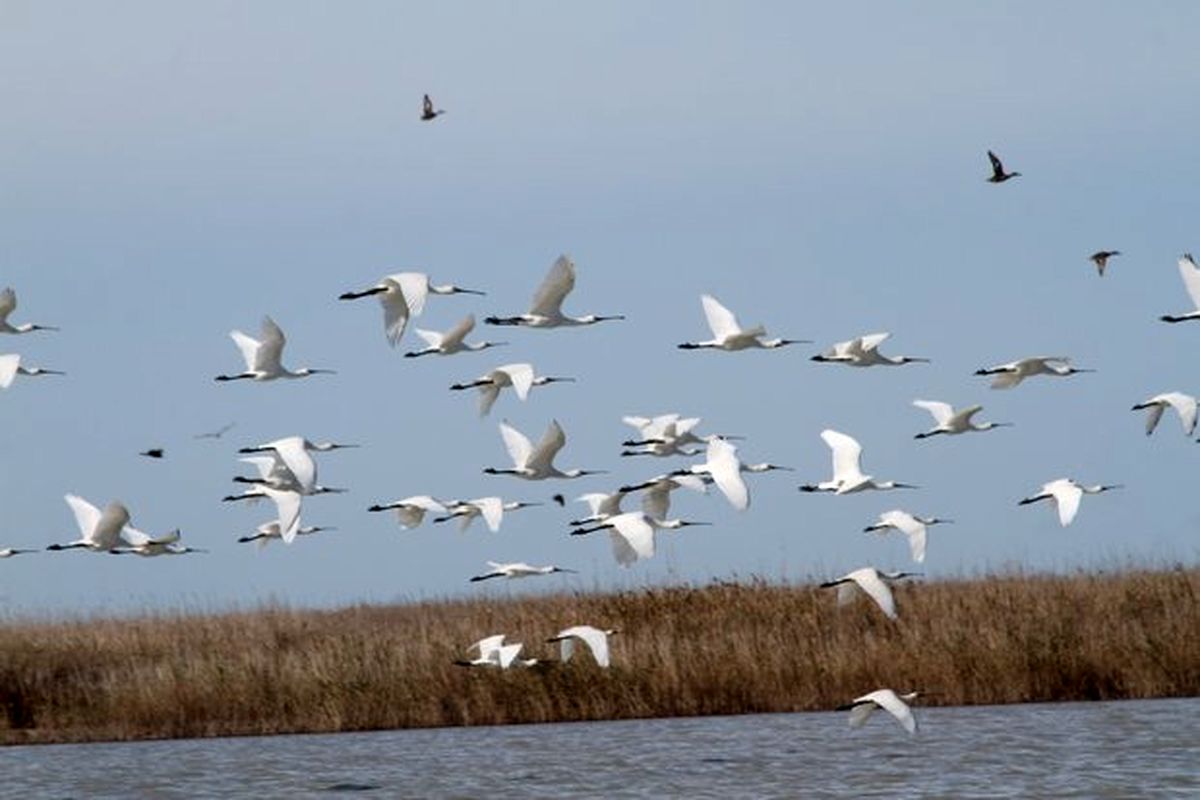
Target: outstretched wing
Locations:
point(1191, 278)
point(1066, 496)
point(869, 581)
point(8, 369)
point(1185, 406)
point(553, 441)
point(8, 303)
point(721, 320)
point(846, 455)
point(455, 335)
point(492, 509)
point(415, 288)
point(247, 346)
point(518, 445)
point(270, 349)
point(558, 283)
point(521, 376)
point(87, 516)
point(941, 412)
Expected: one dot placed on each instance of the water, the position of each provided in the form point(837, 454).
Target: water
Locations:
point(1088, 750)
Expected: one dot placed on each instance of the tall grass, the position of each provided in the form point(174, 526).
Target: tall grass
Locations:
point(719, 649)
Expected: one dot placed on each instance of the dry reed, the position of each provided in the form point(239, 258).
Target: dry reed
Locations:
point(718, 649)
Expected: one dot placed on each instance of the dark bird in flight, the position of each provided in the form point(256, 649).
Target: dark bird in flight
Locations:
point(217, 434)
point(1100, 259)
point(558, 498)
point(154, 452)
point(427, 111)
point(998, 173)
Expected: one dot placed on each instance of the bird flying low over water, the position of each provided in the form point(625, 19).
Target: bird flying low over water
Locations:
point(8, 304)
point(1066, 495)
point(595, 639)
point(861, 708)
point(402, 296)
point(998, 174)
point(1006, 376)
point(10, 368)
point(873, 583)
point(494, 653)
point(264, 356)
point(1184, 405)
point(848, 476)
point(546, 309)
point(1100, 259)
point(951, 422)
point(428, 112)
point(728, 335)
point(1190, 274)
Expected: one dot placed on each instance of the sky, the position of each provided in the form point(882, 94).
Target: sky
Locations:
point(169, 172)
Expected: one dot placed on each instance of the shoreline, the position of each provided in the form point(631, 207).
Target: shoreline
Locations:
point(719, 649)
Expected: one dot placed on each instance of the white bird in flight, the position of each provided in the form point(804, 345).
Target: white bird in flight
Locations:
point(492, 510)
point(519, 376)
point(910, 525)
point(632, 534)
point(861, 708)
point(601, 505)
point(10, 368)
point(493, 652)
point(536, 463)
point(452, 341)
point(264, 356)
point(403, 296)
point(667, 435)
point(951, 422)
point(847, 471)
point(1190, 274)
point(100, 531)
point(1184, 405)
point(287, 507)
point(270, 531)
point(728, 335)
point(517, 569)
point(8, 304)
point(873, 583)
point(147, 546)
point(1006, 376)
point(1066, 495)
point(595, 638)
point(725, 469)
point(863, 351)
point(295, 454)
point(656, 492)
point(546, 309)
point(411, 511)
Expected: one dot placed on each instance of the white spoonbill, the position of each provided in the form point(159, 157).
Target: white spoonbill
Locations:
point(725, 469)
point(517, 569)
point(863, 351)
point(490, 508)
point(546, 308)
point(269, 531)
point(493, 652)
point(1191, 281)
point(601, 505)
point(656, 492)
point(411, 511)
point(873, 583)
point(1006, 376)
point(519, 376)
point(1184, 405)
point(951, 422)
point(1066, 495)
point(910, 525)
point(295, 454)
point(10, 368)
point(452, 341)
point(728, 335)
point(147, 546)
point(861, 708)
point(403, 296)
point(100, 531)
point(536, 463)
point(287, 507)
point(595, 638)
point(847, 471)
point(632, 534)
point(8, 304)
point(264, 356)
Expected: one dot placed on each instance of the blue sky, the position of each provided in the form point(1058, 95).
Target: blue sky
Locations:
point(173, 171)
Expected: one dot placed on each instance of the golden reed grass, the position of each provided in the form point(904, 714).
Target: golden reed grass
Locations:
point(718, 649)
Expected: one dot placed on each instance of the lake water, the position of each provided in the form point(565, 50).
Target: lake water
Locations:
point(1086, 750)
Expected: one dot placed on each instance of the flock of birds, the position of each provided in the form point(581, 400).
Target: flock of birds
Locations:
point(285, 470)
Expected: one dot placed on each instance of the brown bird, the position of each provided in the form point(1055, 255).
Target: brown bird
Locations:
point(1100, 259)
point(998, 173)
point(154, 452)
point(427, 111)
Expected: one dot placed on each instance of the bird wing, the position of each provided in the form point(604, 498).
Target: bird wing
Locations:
point(869, 581)
point(415, 288)
point(518, 445)
point(455, 335)
point(997, 167)
point(566, 645)
point(427, 105)
point(637, 423)
point(553, 441)
point(8, 303)
point(872, 341)
point(287, 512)
point(1191, 278)
point(965, 414)
point(248, 346)
point(432, 338)
point(656, 500)
point(506, 654)
point(860, 713)
point(594, 638)
point(1185, 406)
point(107, 533)
point(726, 472)
point(8, 369)
point(487, 644)
point(487, 398)
point(721, 320)
point(87, 516)
point(889, 702)
point(270, 349)
point(264, 464)
point(1007, 380)
point(395, 310)
point(492, 509)
point(1154, 413)
point(521, 376)
point(558, 283)
point(941, 412)
point(846, 455)
point(298, 460)
point(1067, 496)
point(594, 500)
point(632, 538)
point(911, 527)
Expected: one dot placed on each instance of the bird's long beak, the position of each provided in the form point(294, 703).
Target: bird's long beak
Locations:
point(693, 524)
point(560, 380)
point(564, 569)
point(53, 372)
point(907, 486)
point(322, 372)
point(460, 290)
point(364, 293)
point(795, 341)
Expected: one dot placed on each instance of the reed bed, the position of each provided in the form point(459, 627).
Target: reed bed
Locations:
point(725, 648)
